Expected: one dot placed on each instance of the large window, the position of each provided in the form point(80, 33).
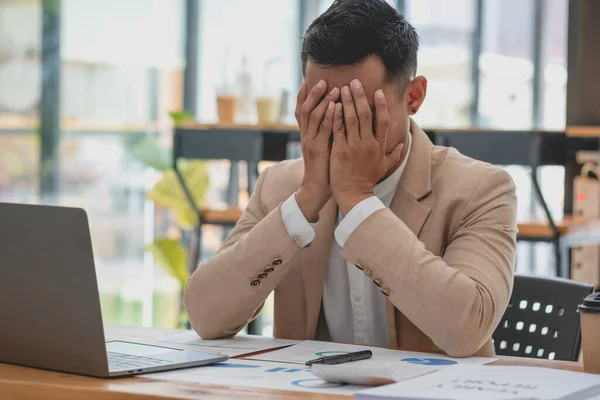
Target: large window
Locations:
point(117, 88)
point(19, 99)
point(506, 65)
point(446, 30)
point(121, 73)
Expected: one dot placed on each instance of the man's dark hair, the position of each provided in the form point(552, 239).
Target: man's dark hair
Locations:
point(351, 30)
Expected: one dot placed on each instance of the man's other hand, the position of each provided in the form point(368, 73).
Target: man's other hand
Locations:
point(314, 113)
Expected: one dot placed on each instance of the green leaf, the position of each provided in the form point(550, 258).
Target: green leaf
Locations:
point(180, 116)
point(172, 257)
point(152, 154)
point(168, 193)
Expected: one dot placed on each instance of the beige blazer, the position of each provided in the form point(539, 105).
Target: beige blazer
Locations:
point(443, 253)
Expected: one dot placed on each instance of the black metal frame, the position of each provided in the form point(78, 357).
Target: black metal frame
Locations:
point(476, 46)
point(250, 146)
point(301, 27)
point(539, 19)
point(192, 43)
point(535, 159)
point(49, 170)
point(401, 6)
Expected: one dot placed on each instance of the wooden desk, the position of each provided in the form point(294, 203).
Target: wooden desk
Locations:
point(583, 131)
point(541, 229)
point(274, 127)
point(16, 124)
point(228, 215)
point(26, 383)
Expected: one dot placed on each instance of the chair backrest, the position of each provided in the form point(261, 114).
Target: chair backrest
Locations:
point(541, 320)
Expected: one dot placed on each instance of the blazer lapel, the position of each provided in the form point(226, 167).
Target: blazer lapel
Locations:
point(314, 265)
point(414, 185)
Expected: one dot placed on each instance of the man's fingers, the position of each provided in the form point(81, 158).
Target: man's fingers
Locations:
point(317, 115)
point(350, 117)
point(299, 101)
point(325, 130)
point(382, 118)
point(339, 130)
point(393, 157)
point(312, 99)
point(363, 110)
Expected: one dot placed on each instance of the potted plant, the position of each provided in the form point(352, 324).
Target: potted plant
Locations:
point(169, 252)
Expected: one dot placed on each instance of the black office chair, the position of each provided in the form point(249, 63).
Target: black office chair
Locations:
point(541, 320)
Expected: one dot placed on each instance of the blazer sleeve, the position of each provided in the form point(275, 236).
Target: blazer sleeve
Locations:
point(229, 290)
point(458, 299)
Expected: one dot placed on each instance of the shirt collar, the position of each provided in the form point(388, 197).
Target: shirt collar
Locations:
point(389, 184)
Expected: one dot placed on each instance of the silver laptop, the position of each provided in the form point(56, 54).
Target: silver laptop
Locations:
point(50, 314)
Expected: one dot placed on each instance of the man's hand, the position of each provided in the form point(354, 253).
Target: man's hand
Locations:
point(358, 158)
point(315, 118)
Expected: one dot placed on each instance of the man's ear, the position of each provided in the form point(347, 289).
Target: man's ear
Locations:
point(416, 92)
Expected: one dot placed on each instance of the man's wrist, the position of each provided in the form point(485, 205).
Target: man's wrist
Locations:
point(311, 202)
point(348, 201)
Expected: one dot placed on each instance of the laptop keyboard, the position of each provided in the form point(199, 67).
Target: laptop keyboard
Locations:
point(122, 362)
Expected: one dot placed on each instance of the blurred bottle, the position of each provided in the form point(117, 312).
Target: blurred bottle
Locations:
point(284, 100)
point(244, 84)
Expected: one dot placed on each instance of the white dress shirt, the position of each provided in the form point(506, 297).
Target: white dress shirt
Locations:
point(354, 307)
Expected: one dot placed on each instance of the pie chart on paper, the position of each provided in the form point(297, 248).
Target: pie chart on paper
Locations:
point(429, 361)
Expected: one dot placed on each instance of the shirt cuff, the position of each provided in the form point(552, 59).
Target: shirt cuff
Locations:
point(300, 230)
point(355, 217)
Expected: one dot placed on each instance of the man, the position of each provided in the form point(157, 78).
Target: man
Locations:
point(375, 236)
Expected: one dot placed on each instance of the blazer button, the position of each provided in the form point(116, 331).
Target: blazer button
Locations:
point(255, 283)
point(377, 282)
point(276, 262)
point(262, 275)
point(360, 266)
point(368, 273)
point(269, 269)
point(385, 291)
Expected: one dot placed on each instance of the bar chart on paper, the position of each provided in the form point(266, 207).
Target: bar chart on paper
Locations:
point(257, 374)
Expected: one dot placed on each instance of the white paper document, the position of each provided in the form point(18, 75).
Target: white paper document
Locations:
point(370, 372)
point(309, 350)
point(469, 382)
point(236, 346)
point(139, 333)
point(257, 374)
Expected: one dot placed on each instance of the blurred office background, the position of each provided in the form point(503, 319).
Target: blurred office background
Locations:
point(106, 75)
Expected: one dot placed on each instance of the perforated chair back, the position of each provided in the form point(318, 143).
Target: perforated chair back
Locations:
point(541, 320)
